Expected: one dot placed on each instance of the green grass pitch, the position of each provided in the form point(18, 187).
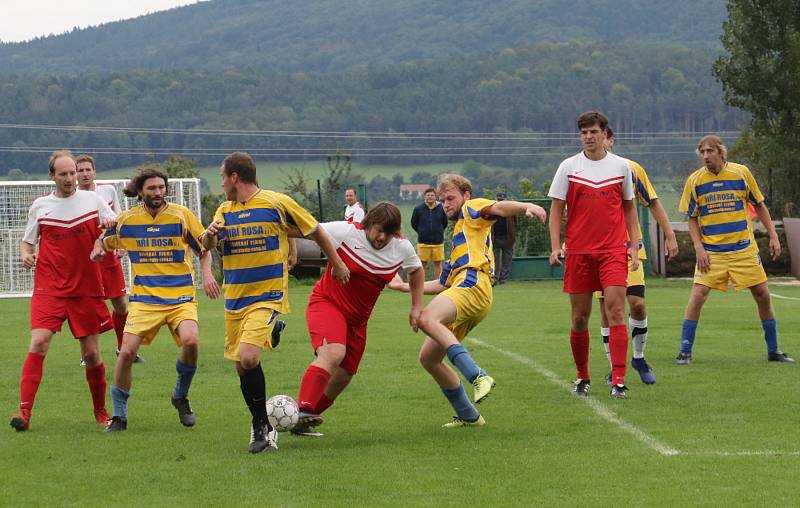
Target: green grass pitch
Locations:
point(723, 431)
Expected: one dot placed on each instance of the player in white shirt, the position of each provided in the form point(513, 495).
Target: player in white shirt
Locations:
point(353, 212)
point(110, 266)
point(337, 314)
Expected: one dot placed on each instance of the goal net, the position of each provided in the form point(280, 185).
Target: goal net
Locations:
point(15, 201)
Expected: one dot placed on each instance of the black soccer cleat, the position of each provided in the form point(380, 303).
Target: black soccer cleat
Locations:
point(263, 436)
point(619, 392)
point(275, 339)
point(778, 356)
point(117, 424)
point(305, 418)
point(306, 431)
point(582, 387)
point(683, 358)
point(185, 413)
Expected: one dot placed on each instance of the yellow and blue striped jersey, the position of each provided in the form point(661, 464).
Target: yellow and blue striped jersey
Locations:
point(158, 248)
point(646, 194)
point(719, 202)
point(255, 249)
point(472, 244)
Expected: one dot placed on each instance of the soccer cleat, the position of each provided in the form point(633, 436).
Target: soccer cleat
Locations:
point(778, 356)
point(683, 358)
point(306, 418)
point(184, 411)
point(83, 363)
point(608, 379)
point(101, 417)
point(481, 387)
point(644, 370)
point(306, 430)
point(582, 387)
point(262, 437)
point(275, 339)
point(117, 424)
point(458, 422)
point(22, 420)
point(619, 392)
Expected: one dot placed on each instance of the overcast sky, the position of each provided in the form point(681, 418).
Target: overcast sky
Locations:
point(25, 19)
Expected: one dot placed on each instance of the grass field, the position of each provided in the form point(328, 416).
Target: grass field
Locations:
point(723, 431)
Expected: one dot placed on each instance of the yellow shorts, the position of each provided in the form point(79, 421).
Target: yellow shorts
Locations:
point(145, 319)
point(428, 252)
point(251, 326)
point(744, 270)
point(635, 278)
point(471, 291)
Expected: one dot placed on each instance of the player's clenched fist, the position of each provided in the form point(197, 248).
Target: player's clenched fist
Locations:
point(28, 261)
point(214, 228)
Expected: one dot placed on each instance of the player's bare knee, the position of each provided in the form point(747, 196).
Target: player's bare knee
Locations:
point(92, 358)
point(580, 322)
point(120, 305)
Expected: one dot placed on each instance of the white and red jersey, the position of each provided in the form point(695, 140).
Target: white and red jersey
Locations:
point(110, 196)
point(354, 213)
point(370, 270)
point(66, 229)
point(594, 191)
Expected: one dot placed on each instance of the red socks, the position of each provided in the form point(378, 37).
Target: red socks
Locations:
point(96, 378)
point(29, 382)
point(323, 404)
point(618, 344)
point(579, 341)
point(119, 326)
point(312, 387)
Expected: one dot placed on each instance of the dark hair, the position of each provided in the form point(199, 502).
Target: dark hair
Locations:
point(136, 183)
point(590, 118)
point(430, 189)
point(51, 163)
point(387, 215)
point(243, 165)
point(609, 133)
point(350, 187)
point(85, 158)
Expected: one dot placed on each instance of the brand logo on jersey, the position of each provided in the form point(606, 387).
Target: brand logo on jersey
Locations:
point(153, 230)
point(717, 184)
point(244, 215)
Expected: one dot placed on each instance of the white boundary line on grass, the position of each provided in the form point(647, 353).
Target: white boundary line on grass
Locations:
point(781, 297)
point(600, 409)
point(610, 416)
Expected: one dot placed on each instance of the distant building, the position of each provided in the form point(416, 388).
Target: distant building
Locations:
point(413, 190)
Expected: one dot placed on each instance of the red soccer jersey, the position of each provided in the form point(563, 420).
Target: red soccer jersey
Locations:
point(370, 270)
point(594, 191)
point(66, 229)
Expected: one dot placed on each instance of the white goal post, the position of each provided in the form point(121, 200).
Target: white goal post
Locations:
point(15, 201)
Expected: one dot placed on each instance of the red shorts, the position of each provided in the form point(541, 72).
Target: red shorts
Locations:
point(86, 315)
point(585, 273)
point(326, 322)
point(113, 280)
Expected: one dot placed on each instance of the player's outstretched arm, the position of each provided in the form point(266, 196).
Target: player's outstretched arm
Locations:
point(323, 239)
point(703, 261)
point(774, 242)
point(514, 208)
point(632, 223)
point(28, 255)
point(210, 285)
point(670, 242)
point(430, 287)
point(211, 236)
point(416, 283)
point(554, 225)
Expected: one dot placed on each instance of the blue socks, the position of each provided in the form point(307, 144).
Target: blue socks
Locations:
point(460, 357)
point(770, 334)
point(185, 375)
point(461, 404)
point(687, 335)
point(119, 399)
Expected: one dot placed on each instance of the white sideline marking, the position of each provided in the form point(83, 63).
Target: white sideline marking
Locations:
point(601, 410)
point(605, 413)
point(781, 297)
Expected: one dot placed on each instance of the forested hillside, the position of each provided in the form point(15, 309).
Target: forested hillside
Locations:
point(335, 35)
point(643, 88)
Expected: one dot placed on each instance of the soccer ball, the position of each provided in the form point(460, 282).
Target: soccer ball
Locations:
point(282, 412)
